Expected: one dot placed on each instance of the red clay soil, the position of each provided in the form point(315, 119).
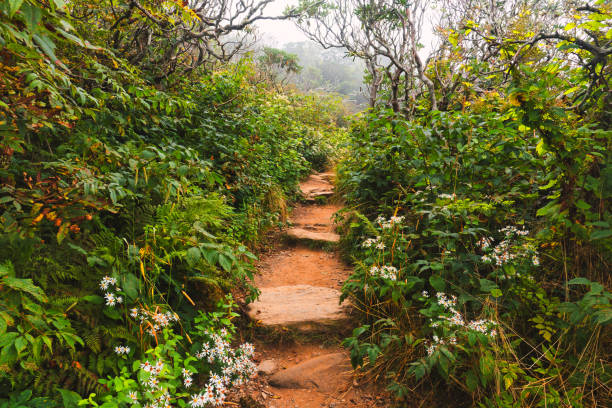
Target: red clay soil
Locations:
point(315, 217)
point(301, 266)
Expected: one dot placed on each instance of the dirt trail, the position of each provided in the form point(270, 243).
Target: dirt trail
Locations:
point(300, 294)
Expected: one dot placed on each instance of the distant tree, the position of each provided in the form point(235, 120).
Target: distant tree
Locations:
point(384, 34)
point(277, 65)
point(327, 70)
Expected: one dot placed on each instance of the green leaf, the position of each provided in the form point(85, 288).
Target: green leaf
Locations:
point(20, 344)
point(583, 205)
point(579, 281)
point(72, 339)
point(8, 338)
point(603, 316)
point(112, 313)
point(70, 399)
point(225, 262)
point(95, 299)
point(601, 234)
point(540, 147)
point(14, 6)
point(32, 16)
point(77, 249)
point(508, 380)
point(496, 292)
point(211, 256)
point(550, 184)
point(130, 285)
point(24, 285)
point(373, 354)
point(471, 380)
point(192, 256)
point(437, 283)
point(48, 342)
point(487, 285)
point(419, 370)
point(59, 3)
point(6, 269)
point(472, 338)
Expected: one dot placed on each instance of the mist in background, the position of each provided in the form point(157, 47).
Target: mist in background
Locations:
point(329, 71)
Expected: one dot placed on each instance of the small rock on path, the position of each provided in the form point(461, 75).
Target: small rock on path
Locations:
point(326, 373)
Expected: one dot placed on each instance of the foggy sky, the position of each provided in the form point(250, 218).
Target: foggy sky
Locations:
point(278, 33)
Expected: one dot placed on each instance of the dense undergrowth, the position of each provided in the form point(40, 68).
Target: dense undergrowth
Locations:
point(481, 239)
point(481, 231)
point(130, 209)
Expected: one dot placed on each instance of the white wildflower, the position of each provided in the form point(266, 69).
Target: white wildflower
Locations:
point(110, 299)
point(187, 381)
point(396, 219)
point(133, 395)
point(122, 350)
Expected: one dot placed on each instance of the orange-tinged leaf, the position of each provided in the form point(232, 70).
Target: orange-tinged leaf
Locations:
point(38, 218)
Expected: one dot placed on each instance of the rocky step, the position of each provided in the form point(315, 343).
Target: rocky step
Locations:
point(325, 373)
point(319, 216)
point(302, 307)
point(313, 195)
point(327, 177)
point(301, 234)
point(316, 186)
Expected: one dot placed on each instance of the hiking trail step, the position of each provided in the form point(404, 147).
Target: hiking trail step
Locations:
point(303, 307)
point(317, 185)
point(302, 234)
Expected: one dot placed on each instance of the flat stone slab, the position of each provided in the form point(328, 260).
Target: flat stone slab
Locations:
point(316, 186)
point(301, 306)
point(325, 373)
point(302, 234)
point(267, 367)
point(312, 194)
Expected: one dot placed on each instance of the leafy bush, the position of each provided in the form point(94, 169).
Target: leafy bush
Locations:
point(164, 187)
point(475, 279)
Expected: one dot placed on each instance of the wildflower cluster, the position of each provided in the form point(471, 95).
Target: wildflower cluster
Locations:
point(119, 350)
point(373, 242)
point(388, 224)
point(455, 322)
point(106, 284)
point(235, 365)
point(506, 250)
point(156, 395)
point(445, 196)
point(154, 321)
point(386, 272)
point(187, 379)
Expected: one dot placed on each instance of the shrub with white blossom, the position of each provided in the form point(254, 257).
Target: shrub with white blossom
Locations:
point(513, 249)
point(451, 323)
point(196, 370)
